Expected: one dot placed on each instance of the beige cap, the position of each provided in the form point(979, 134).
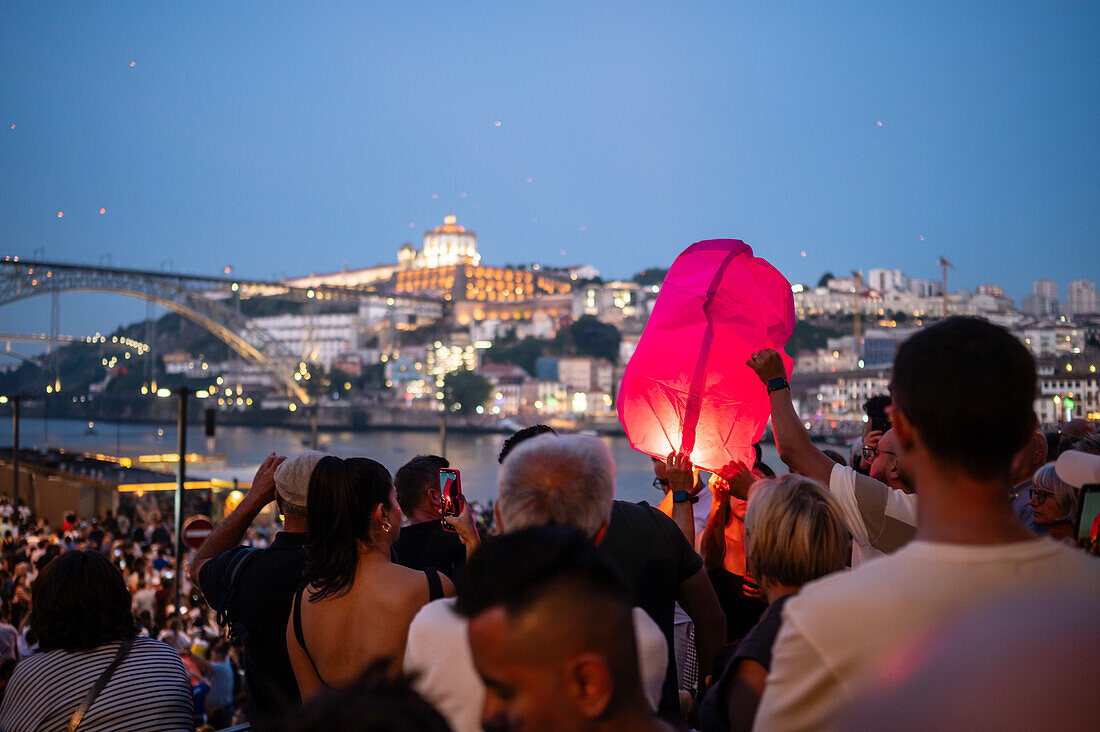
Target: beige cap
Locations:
point(1078, 468)
point(292, 477)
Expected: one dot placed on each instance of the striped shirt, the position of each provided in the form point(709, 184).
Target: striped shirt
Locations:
point(148, 691)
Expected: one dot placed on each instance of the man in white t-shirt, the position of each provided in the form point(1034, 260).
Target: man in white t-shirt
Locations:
point(880, 511)
point(952, 381)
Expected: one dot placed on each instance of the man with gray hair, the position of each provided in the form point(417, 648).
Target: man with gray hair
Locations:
point(252, 589)
point(549, 480)
point(570, 481)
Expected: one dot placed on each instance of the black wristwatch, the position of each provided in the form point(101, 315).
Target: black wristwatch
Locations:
point(684, 497)
point(779, 382)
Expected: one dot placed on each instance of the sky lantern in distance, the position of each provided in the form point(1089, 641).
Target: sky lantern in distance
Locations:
point(687, 386)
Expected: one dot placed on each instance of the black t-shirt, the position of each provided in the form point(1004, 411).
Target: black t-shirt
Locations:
point(428, 544)
point(652, 554)
point(757, 646)
point(265, 590)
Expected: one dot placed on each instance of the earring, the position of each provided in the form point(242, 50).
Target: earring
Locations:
point(386, 526)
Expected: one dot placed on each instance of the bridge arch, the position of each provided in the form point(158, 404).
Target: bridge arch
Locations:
point(188, 296)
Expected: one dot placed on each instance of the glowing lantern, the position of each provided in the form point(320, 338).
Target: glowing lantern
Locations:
point(687, 386)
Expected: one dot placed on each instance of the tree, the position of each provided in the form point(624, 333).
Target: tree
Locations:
point(651, 276)
point(524, 354)
point(824, 281)
point(465, 389)
point(591, 337)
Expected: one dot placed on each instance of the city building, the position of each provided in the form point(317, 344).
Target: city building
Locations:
point(1081, 298)
point(1067, 390)
point(314, 338)
point(887, 280)
point(1043, 302)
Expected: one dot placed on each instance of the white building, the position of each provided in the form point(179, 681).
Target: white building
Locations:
point(314, 338)
point(887, 280)
point(1081, 298)
point(1066, 394)
point(444, 246)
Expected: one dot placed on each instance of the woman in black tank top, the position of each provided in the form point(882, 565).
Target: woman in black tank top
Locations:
point(355, 605)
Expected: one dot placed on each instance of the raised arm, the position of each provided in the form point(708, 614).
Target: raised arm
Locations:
point(792, 440)
point(229, 531)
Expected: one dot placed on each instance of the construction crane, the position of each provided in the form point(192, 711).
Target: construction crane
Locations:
point(857, 292)
point(944, 264)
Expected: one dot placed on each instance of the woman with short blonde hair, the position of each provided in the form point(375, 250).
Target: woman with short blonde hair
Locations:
point(794, 534)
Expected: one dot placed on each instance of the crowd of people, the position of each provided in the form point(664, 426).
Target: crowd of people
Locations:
point(880, 589)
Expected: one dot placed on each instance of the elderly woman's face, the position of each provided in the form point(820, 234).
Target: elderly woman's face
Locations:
point(1045, 507)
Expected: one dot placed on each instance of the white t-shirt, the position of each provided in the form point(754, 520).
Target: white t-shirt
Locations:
point(881, 519)
point(438, 655)
point(846, 626)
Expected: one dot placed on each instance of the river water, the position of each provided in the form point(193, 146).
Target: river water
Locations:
point(244, 449)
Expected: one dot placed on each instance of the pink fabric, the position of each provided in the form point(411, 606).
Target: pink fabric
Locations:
point(687, 386)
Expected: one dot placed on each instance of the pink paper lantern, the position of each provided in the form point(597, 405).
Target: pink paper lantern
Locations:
point(687, 386)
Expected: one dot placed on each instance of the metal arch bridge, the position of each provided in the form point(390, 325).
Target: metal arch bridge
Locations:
point(200, 298)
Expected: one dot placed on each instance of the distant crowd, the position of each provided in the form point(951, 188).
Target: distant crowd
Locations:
point(938, 576)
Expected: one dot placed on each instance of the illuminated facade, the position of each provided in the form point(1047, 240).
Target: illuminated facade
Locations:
point(449, 267)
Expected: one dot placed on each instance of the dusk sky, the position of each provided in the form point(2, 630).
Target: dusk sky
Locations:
point(288, 138)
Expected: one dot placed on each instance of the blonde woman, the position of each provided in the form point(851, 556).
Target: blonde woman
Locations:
point(794, 533)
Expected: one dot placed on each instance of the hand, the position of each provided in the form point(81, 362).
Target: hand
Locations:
point(737, 479)
point(751, 589)
point(262, 491)
point(767, 364)
point(681, 473)
point(464, 526)
point(870, 439)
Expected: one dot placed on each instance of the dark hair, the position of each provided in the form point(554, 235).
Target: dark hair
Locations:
point(876, 406)
point(968, 387)
point(415, 477)
point(79, 602)
point(518, 568)
point(836, 457)
point(524, 434)
point(342, 496)
point(589, 600)
point(375, 702)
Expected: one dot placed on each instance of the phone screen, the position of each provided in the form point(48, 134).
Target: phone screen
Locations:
point(450, 491)
point(1089, 511)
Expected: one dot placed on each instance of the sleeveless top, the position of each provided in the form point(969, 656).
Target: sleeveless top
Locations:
point(435, 592)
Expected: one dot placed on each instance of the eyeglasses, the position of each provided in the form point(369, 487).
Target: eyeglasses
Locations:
point(870, 451)
point(1039, 495)
point(660, 484)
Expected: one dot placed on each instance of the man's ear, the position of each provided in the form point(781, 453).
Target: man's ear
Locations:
point(435, 498)
point(590, 683)
point(903, 430)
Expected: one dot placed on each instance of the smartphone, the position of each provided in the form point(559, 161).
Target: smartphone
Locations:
point(450, 493)
point(1088, 518)
point(880, 423)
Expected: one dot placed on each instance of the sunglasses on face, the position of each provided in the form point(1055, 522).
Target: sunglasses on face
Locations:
point(869, 453)
point(1039, 495)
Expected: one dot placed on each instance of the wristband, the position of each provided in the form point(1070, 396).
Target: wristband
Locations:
point(779, 382)
point(684, 497)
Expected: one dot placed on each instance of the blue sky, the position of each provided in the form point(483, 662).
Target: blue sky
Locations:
point(285, 138)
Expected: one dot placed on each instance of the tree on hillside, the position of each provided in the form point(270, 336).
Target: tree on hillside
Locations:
point(524, 354)
point(465, 389)
point(825, 279)
point(651, 276)
point(588, 336)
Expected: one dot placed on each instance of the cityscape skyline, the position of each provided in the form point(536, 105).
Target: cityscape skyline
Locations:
point(282, 141)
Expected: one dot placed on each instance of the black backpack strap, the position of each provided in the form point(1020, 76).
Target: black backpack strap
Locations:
point(296, 615)
point(233, 571)
point(435, 586)
point(100, 684)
